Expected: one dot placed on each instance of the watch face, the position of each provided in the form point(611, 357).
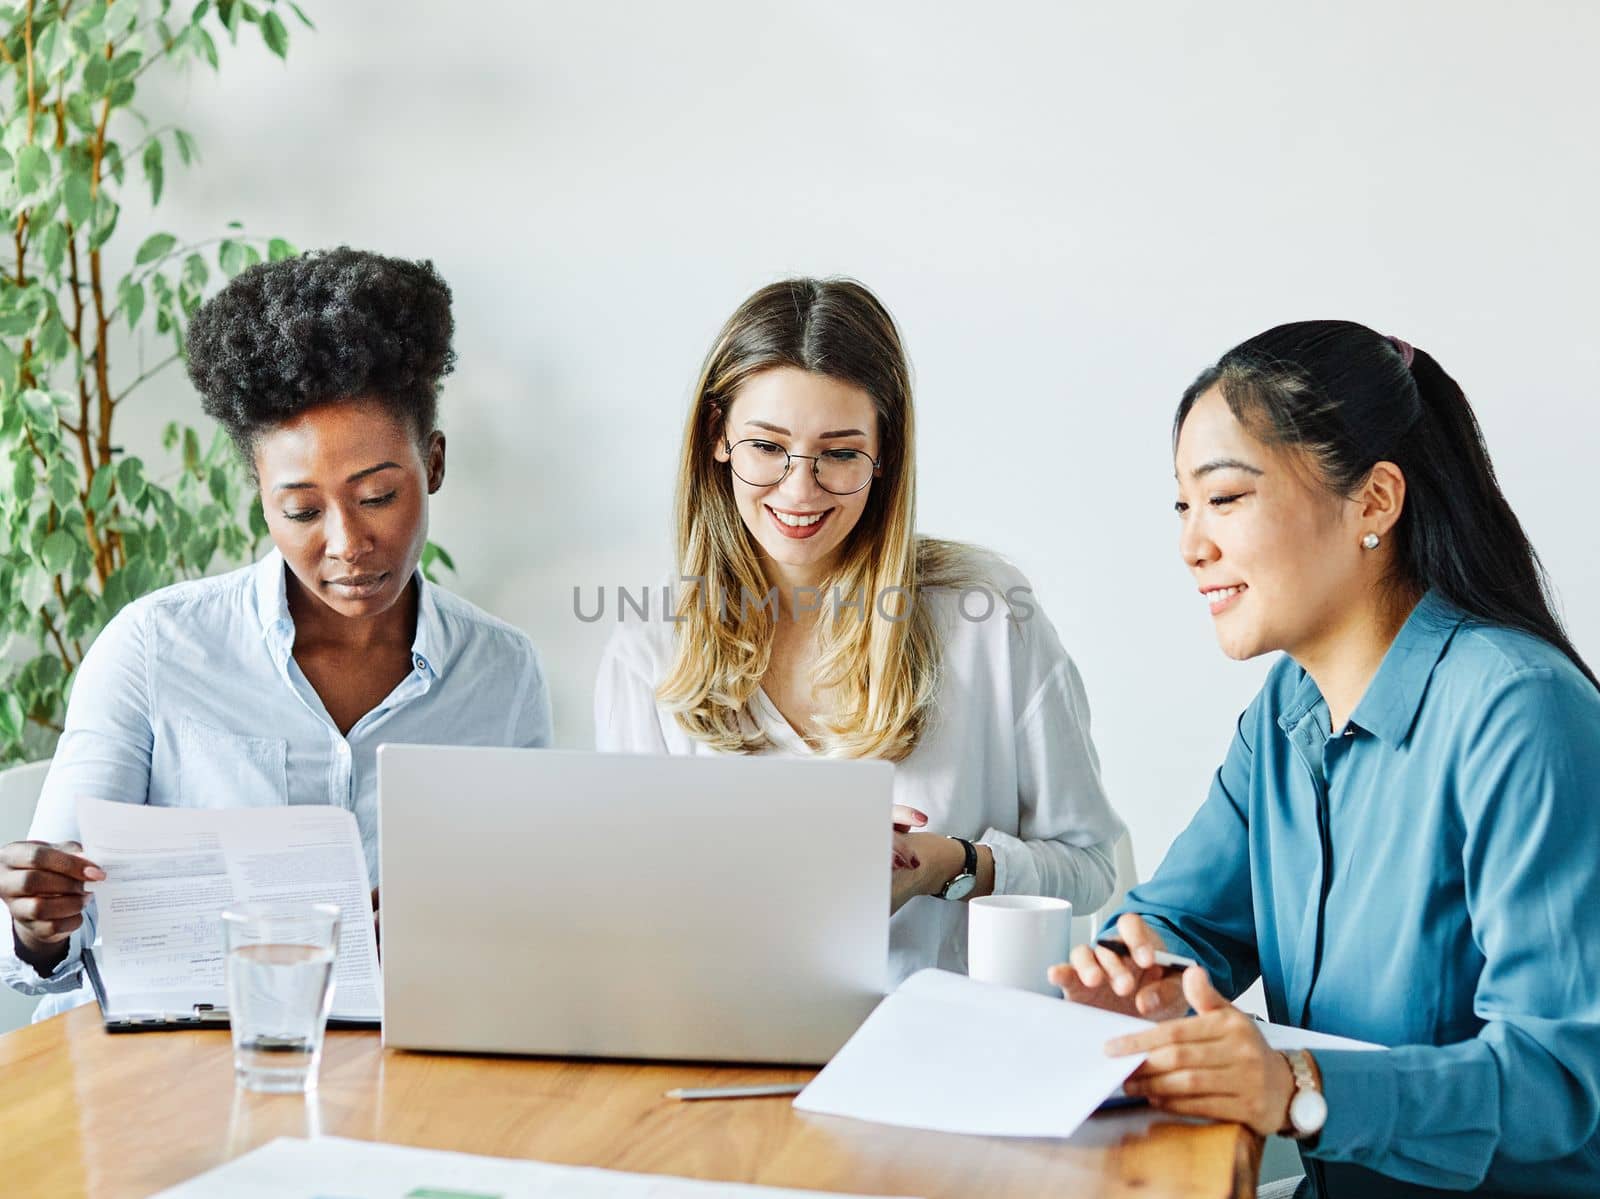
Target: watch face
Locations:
point(960, 886)
point(1308, 1112)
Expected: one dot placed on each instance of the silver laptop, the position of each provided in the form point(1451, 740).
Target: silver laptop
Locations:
point(613, 905)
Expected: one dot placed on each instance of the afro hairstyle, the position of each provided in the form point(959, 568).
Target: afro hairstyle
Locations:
point(325, 326)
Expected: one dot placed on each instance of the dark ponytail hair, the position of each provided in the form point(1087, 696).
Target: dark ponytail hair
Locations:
point(1350, 398)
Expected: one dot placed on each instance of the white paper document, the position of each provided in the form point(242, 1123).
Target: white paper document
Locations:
point(170, 872)
point(332, 1166)
point(947, 1053)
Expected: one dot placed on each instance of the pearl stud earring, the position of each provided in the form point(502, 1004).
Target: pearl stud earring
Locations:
point(1370, 541)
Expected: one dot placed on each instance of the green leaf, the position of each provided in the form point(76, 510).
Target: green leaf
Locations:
point(75, 193)
point(96, 77)
point(200, 11)
point(208, 47)
point(195, 273)
point(120, 17)
point(100, 489)
point(304, 20)
point(278, 250)
point(155, 246)
point(121, 97)
point(169, 435)
point(80, 113)
point(51, 52)
point(54, 247)
point(104, 221)
point(63, 483)
point(54, 342)
point(126, 64)
point(191, 450)
point(274, 34)
point(217, 484)
point(187, 149)
point(23, 478)
point(12, 718)
point(432, 552)
point(130, 296)
point(39, 408)
point(153, 170)
point(230, 11)
point(81, 616)
point(59, 549)
point(33, 170)
point(130, 477)
point(232, 257)
point(258, 519)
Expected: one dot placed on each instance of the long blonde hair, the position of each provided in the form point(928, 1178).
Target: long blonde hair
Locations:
point(879, 663)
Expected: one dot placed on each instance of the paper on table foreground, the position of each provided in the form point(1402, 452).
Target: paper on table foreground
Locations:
point(289, 1168)
point(170, 872)
point(946, 1053)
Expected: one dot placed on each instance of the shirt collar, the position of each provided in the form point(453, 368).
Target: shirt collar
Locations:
point(272, 601)
point(1390, 704)
point(429, 648)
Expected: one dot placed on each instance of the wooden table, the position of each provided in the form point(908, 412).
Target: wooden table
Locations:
point(83, 1112)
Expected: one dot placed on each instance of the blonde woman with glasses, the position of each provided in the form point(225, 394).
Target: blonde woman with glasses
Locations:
point(811, 619)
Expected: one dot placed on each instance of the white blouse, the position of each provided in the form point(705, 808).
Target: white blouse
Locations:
point(1006, 759)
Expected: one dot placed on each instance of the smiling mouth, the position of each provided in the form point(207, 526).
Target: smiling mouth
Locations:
point(798, 525)
point(1220, 599)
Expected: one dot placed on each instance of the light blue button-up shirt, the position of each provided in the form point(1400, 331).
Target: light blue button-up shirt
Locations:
point(1429, 879)
point(191, 697)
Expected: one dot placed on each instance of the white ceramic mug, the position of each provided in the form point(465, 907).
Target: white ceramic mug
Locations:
point(1014, 939)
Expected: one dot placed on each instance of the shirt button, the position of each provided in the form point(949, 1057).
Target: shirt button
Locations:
point(421, 662)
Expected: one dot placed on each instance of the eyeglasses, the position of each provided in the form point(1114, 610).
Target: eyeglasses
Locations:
point(766, 464)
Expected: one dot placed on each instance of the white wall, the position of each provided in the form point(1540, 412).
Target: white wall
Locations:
point(1070, 208)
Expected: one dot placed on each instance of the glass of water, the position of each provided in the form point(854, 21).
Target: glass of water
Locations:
point(280, 987)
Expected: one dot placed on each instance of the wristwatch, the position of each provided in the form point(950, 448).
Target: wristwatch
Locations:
point(961, 885)
point(1308, 1110)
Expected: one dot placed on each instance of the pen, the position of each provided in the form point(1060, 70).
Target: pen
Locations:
point(776, 1088)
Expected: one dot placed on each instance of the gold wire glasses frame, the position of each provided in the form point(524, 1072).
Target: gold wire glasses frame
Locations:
point(761, 460)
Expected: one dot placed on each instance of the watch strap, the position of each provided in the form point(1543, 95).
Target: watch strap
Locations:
point(969, 866)
point(1305, 1082)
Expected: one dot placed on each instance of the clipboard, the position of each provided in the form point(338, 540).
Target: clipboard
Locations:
point(201, 1015)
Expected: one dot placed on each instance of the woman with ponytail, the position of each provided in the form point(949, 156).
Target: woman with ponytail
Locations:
point(815, 621)
point(1401, 841)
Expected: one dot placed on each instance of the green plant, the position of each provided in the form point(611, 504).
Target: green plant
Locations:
point(85, 528)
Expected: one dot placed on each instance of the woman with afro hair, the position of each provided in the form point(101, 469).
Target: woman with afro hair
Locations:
point(275, 684)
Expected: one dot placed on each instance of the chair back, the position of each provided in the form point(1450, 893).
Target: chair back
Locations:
point(1085, 927)
point(19, 796)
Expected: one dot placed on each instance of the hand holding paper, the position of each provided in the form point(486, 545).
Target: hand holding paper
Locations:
point(944, 1052)
point(1216, 1063)
point(171, 871)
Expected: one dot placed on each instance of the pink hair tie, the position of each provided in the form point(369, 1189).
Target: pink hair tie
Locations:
point(1406, 351)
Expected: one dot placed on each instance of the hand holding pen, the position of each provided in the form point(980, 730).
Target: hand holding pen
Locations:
point(1132, 974)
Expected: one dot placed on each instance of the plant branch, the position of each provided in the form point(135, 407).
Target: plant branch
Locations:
point(97, 290)
point(154, 370)
point(55, 635)
point(27, 46)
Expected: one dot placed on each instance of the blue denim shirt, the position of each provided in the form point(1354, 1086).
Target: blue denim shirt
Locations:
point(191, 697)
point(1429, 879)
